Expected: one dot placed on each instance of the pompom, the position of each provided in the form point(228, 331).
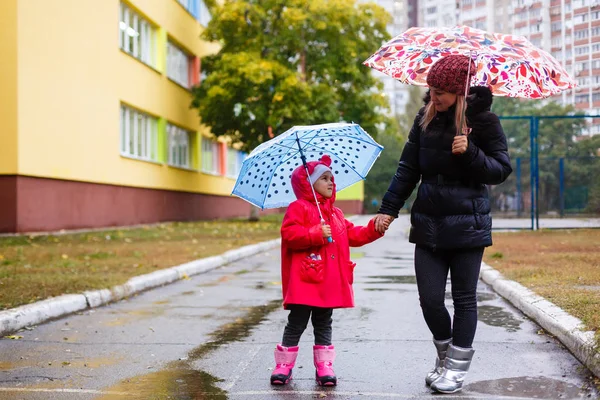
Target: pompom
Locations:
point(326, 160)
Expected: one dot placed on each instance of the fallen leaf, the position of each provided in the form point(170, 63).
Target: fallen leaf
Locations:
point(64, 256)
point(185, 277)
point(13, 337)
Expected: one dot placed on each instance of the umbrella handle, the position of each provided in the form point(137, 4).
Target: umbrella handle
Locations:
point(329, 238)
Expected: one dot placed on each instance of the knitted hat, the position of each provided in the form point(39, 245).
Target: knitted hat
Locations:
point(301, 184)
point(320, 169)
point(450, 74)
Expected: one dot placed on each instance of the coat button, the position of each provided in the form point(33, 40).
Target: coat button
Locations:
point(332, 256)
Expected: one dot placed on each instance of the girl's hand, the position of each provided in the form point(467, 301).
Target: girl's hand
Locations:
point(460, 144)
point(382, 222)
point(326, 231)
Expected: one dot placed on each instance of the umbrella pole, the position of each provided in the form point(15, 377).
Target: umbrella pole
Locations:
point(303, 158)
point(463, 116)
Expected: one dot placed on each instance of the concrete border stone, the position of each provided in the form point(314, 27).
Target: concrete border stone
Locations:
point(566, 328)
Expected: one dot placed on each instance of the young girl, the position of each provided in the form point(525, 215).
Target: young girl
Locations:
point(316, 272)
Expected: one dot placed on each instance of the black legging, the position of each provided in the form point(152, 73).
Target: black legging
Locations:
point(431, 268)
point(298, 319)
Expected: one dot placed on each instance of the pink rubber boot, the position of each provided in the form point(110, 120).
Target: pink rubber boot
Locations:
point(285, 358)
point(324, 357)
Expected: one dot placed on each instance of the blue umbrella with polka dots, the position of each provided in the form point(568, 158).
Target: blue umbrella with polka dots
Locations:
point(265, 176)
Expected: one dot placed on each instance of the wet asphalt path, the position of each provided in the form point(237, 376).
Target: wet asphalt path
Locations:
point(212, 337)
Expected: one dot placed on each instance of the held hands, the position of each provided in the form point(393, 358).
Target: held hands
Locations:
point(326, 230)
point(460, 144)
point(382, 222)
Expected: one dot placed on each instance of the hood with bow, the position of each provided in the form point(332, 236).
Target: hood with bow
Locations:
point(302, 186)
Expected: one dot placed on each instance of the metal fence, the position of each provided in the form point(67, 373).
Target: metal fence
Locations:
point(551, 185)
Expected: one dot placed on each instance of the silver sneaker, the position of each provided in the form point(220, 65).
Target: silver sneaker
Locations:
point(441, 347)
point(456, 366)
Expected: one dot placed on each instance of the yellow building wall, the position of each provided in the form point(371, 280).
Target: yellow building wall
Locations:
point(354, 192)
point(72, 79)
point(8, 87)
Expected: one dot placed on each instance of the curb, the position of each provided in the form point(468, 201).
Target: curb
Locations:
point(552, 318)
point(42, 311)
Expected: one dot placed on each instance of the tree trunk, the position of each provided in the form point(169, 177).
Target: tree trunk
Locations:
point(253, 214)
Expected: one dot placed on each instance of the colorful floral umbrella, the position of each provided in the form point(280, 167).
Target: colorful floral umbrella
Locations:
point(510, 65)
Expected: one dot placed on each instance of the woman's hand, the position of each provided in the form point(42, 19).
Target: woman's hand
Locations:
point(382, 222)
point(326, 230)
point(460, 144)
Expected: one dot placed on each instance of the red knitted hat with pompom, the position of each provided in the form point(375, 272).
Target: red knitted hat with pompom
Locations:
point(450, 74)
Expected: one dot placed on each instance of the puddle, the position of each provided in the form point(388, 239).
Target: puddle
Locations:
point(481, 296)
point(385, 279)
point(236, 330)
point(179, 380)
point(527, 386)
point(135, 316)
point(385, 290)
point(174, 383)
point(242, 272)
point(497, 316)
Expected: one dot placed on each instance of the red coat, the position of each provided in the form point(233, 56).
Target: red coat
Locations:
point(328, 282)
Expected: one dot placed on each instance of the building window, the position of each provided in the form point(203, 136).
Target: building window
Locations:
point(583, 81)
point(555, 26)
point(235, 159)
point(580, 18)
point(198, 9)
point(210, 156)
point(582, 98)
point(556, 41)
point(179, 146)
point(582, 50)
point(581, 33)
point(137, 36)
point(431, 10)
point(139, 135)
point(178, 65)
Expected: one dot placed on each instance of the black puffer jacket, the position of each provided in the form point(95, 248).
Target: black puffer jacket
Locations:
point(452, 209)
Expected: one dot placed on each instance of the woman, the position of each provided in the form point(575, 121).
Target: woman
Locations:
point(451, 222)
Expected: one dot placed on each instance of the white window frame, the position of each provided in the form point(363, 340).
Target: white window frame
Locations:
point(178, 65)
point(139, 135)
point(180, 146)
point(137, 36)
point(234, 162)
point(210, 156)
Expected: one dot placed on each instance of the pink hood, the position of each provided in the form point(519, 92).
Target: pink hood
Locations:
point(301, 185)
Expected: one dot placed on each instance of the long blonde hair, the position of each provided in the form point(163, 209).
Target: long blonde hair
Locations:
point(430, 114)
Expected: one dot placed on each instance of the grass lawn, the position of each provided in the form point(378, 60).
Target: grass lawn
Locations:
point(561, 265)
point(33, 268)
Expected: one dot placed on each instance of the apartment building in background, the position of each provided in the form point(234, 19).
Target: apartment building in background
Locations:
point(401, 12)
point(97, 126)
point(567, 29)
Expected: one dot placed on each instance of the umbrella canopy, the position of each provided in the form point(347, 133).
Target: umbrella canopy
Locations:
point(509, 64)
point(265, 176)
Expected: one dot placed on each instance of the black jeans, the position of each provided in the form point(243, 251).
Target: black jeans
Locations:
point(431, 268)
point(298, 319)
